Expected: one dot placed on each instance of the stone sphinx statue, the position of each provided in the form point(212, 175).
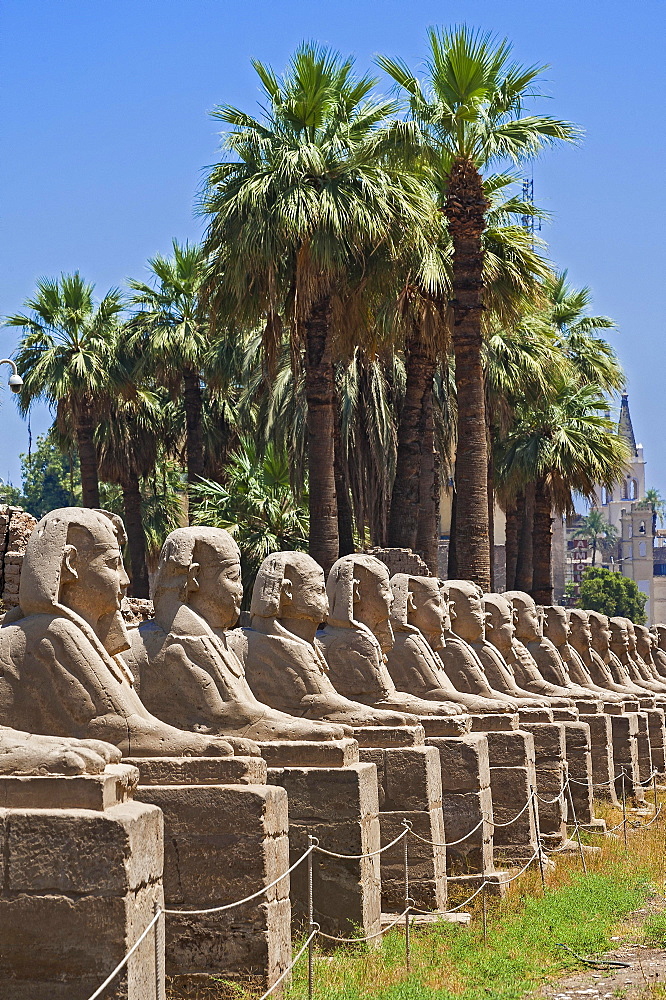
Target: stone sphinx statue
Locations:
point(469, 654)
point(358, 636)
point(644, 665)
point(659, 648)
point(557, 628)
point(61, 672)
point(596, 664)
point(645, 649)
point(606, 636)
point(421, 628)
point(620, 647)
point(23, 754)
point(284, 663)
point(501, 631)
point(189, 673)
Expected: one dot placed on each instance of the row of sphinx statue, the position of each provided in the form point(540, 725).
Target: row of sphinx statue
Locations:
point(78, 689)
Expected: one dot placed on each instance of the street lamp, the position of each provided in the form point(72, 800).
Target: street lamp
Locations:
point(15, 381)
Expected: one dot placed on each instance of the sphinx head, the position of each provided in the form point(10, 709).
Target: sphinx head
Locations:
point(601, 632)
point(470, 615)
point(581, 631)
point(528, 624)
point(200, 567)
point(418, 601)
point(643, 641)
point(290, 585)
point(500, 622)
point(631, 634)
point(619, 640)
point(359, 590)
point(556, 624)
point(73, 560)
point(660, 636)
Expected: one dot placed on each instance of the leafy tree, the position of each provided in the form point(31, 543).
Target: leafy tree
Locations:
point(11, 495)
point(256, 504)
point(612, 594)
point(50, 478)
point(470, 109)
point(595, 527)
point(66, 358)
point(310, 190)
point(658, 502)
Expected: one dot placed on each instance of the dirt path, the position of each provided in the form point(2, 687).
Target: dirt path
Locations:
point(645, 976)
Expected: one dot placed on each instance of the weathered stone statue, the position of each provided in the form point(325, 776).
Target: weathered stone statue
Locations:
point(526, 650)
point(659, 648)
point(597, 663)
point(501, 619)
point(623, 644)
point(645, 648)
point(421, 627)
point(543, 650)
point(189, 674)
point(557, 628)
point(284, 663)
point(469, 640)
point(60, 666)
point(358, 635)
point(28, 754)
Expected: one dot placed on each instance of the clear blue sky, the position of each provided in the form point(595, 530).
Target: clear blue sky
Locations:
point(104, 133)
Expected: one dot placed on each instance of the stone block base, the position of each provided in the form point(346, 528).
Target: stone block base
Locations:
point(551, 770)
point(512, 776)
point(644, 748)
point(340, 807)
point(579, 765)
point(223, 843)
point(79, 887)
point(466, 802)
point(655, 717)
point(625, 755)
point(601, 750)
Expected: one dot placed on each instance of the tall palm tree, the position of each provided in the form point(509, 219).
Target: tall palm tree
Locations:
point(470, 108)
point(172, 334)
point(66, 357)
point(564, 445)
point(596, 528)
point(308, 191)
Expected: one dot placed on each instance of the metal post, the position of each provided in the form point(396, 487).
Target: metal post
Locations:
point(577, 828)
point(484, 907)
point(624, 811)
point(407, 900)
point(311, 923)
point(160, 983)
point(535, 812)
point(654, 791)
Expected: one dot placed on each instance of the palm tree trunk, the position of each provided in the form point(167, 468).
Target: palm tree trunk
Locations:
point(514, 519)
point(465, 209)
point(542, 584)
point(524, 561)
point(136, 539)
point(193, 403)
point(406, 493)
point(491, 518)
point(452, 566)
point(320, 397)
point(594, 550)
point(345, 517)
point(427, 535)
point(87, 456)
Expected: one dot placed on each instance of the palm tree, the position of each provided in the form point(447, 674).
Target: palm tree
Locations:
point(66, 357)
point(471, 113)
point(658, 502)
point(309, 191)
point(595, 527)
point(564, 445)
point(172, 335)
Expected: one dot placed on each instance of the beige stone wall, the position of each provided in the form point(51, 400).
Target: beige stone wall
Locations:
point(401, 561)
point(15, 528)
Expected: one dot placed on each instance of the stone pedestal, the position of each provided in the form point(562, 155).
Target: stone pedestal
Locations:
point(512, 776)
point(644, 748)
point(339, 806)
point(82, 874)
point(625, 755)
point(551, 772)
point(579, 764)
point(601, 751)
point(466, 802)
point(655, 717)
point(410, 788)
point(226, 836)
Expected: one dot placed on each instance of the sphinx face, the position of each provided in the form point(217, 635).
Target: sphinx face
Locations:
point(581, 631)
point(660, 631)
point(306, 598)
point(643, 641)
point(556, 626)
point(220, 588)
point(500, 627)
point(93, 574)
point(619, 638)
point(631, 636)
point(427, 612)
point(528, 626)
point(470, 612)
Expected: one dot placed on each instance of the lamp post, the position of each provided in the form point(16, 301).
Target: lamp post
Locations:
point(15, 381)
